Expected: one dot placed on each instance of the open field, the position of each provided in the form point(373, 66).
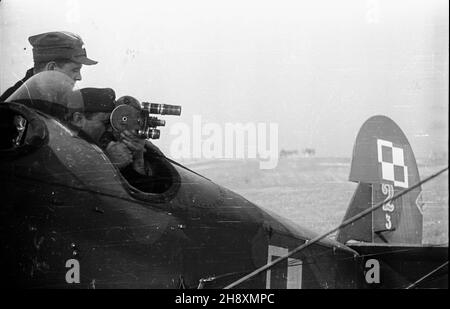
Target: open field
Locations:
point(315, 192)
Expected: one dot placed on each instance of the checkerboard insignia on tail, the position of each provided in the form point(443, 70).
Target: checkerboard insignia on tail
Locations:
point(383, 164)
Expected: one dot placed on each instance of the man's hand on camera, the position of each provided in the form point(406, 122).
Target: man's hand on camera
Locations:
point(135, 144)
point(119, 154)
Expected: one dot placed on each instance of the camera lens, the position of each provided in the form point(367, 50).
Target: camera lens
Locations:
point(153, 133)
point(164, 109)
point(155, 122)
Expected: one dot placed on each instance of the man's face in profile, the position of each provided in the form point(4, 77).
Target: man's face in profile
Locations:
point(95, 125)
point(71, 69)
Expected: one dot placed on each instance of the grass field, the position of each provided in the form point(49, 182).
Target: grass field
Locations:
point(315, 192)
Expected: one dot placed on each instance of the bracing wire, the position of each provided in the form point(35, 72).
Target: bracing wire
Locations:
point(322, 236)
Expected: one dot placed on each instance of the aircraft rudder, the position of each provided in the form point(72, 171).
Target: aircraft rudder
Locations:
point(383, 163)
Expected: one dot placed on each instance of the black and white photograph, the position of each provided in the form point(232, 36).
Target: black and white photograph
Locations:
point(250, 146)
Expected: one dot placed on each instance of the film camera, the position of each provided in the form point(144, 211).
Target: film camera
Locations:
point(135, 117)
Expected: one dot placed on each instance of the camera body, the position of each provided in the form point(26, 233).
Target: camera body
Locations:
point(130, 115)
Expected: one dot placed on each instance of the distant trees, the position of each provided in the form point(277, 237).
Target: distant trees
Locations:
point(288, 153)
point(306, 152)
point(309, 152)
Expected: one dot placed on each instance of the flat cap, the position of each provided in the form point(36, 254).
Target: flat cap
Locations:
point(98, 100)
point(59, 45)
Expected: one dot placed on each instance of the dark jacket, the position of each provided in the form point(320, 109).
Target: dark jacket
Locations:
point(11, 90)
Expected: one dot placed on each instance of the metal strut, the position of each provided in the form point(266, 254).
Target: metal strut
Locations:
point(426, 276)
point(320, 237)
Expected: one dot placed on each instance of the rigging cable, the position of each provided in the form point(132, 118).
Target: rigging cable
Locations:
point(426, 276)
point(343, 224)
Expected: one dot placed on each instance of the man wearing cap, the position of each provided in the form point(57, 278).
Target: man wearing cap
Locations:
point(55, 51)
point(92, 123)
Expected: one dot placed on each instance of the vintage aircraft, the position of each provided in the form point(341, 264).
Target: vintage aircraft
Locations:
point(69, 219)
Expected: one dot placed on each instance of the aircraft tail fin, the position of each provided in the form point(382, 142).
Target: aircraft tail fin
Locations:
point(383, 164)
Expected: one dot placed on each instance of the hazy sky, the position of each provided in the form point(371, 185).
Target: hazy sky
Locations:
point(317, 68)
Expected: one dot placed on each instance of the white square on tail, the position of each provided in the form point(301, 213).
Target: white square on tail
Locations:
point(397, 156)
point(392, 160)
